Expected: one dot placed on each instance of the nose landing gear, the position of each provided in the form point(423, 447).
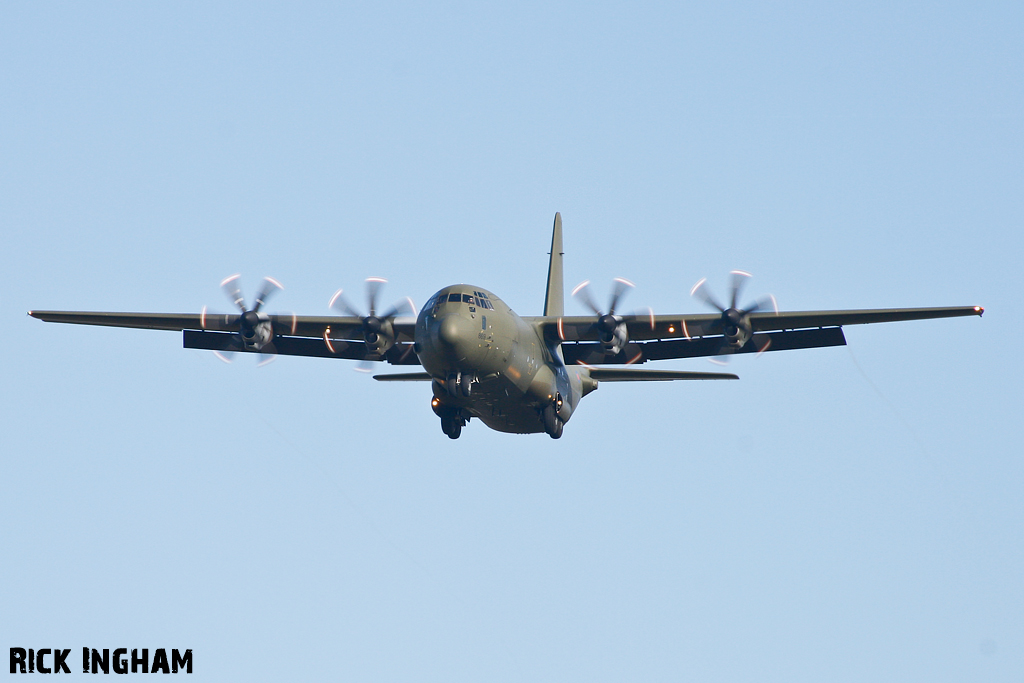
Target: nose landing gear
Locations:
point(459, 384)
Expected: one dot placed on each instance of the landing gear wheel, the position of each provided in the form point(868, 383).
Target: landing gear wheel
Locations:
point(552, 423)
point(459, 384)
point(454, 430)
point(453, 384)
point(451, 425)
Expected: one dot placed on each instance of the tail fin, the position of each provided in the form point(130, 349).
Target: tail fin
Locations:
point(554, 298)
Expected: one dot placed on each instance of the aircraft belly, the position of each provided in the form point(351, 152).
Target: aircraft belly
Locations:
point(502, 406)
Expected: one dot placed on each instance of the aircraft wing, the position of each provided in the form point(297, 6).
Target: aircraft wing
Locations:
point(327, 336)
point(658, 337)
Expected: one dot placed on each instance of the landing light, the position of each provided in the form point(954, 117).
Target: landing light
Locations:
point(327, 339)
point(435, 402)
point(671, 329)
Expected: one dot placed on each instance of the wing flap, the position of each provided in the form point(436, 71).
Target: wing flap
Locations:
point(399, 354)
point(759, 343)
point(337, 327)
point(591, 353)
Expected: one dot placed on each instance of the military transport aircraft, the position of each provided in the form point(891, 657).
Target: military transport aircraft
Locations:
point(518, 374)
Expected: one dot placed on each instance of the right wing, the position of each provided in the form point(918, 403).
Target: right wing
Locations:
point(328, 336)
point(337, 326)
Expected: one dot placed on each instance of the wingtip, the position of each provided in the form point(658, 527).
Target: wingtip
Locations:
point(980, 310)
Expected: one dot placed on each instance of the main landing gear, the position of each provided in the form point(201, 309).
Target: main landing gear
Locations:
point(451, 424)
point(552, 422)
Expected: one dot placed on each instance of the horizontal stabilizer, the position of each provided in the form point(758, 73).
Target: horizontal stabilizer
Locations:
point(638, 375)
point(404, 377)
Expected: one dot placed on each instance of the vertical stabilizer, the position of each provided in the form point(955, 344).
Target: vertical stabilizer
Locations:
point(554, 299)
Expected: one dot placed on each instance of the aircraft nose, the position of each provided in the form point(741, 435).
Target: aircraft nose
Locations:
point(448, 330)
point(452, 331)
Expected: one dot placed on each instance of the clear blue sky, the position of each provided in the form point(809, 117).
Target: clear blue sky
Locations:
point(842, 514)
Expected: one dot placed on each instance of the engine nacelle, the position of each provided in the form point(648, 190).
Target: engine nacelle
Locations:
point(736, 328)
point(256, 330)
point(379, 335)
point(613, 342)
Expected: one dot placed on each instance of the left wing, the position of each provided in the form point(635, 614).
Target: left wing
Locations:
point(658, 337)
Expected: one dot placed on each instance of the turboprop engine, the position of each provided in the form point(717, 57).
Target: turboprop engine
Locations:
point(611, 328)
point(378, 333)
point(612, 334)
point(378, 330)
point(254, 327)
point(736, 326)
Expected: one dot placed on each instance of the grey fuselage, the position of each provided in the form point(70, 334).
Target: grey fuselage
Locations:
point(466, 334)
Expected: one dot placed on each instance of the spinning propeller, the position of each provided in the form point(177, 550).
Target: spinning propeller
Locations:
point(255, 330)
point(735, 321)
point(611, 328)
point(378, 329)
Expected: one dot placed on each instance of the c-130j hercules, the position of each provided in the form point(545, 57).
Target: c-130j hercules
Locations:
point(517, 374)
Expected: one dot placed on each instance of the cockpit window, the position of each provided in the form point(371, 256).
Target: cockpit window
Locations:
point(479, 299)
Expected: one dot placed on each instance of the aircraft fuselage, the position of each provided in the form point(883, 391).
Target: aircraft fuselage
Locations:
point(497, 367)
